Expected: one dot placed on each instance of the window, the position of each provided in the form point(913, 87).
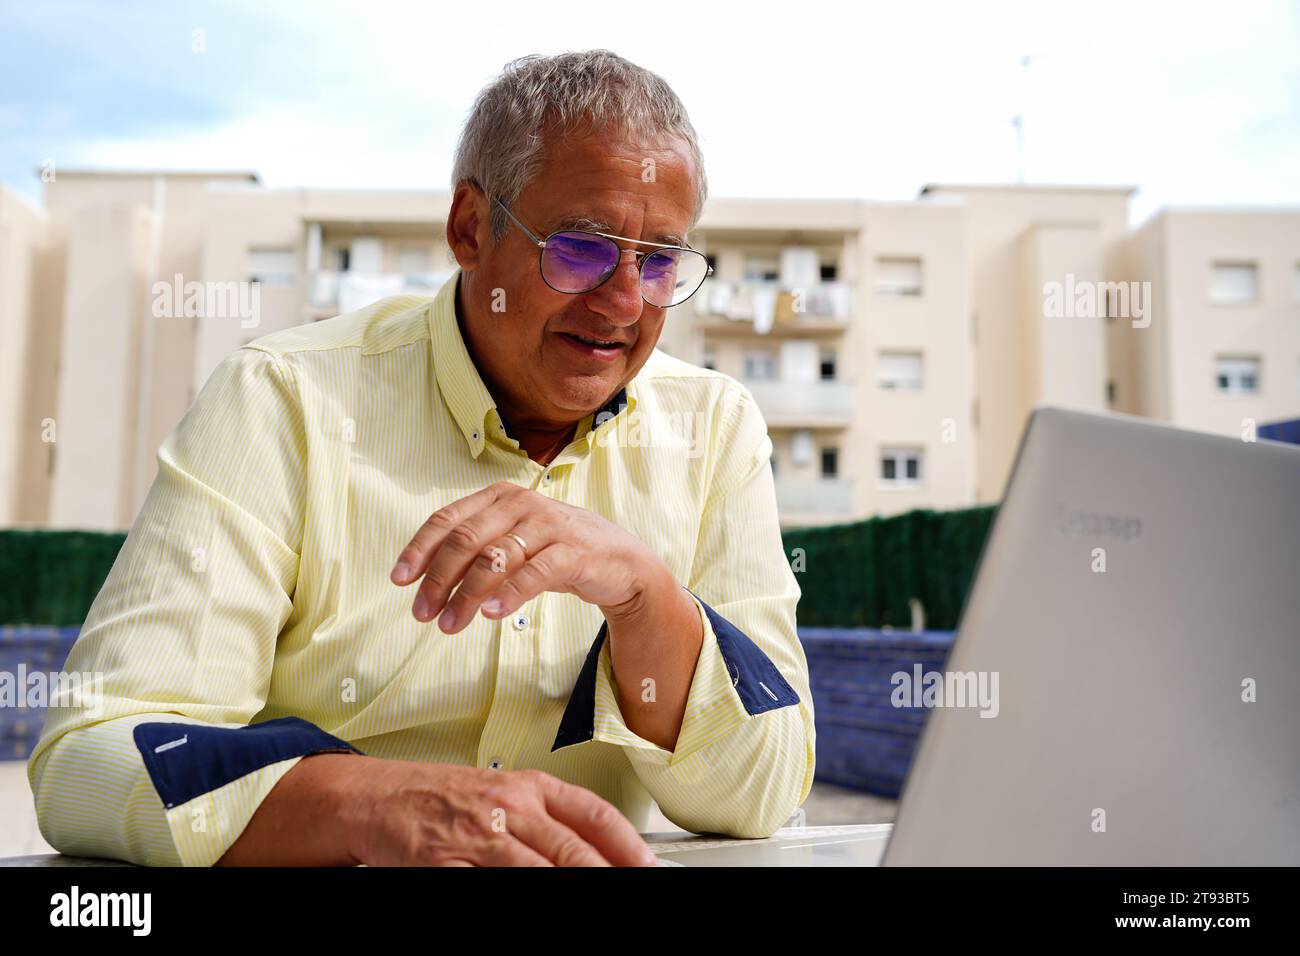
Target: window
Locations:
point(1237, 376)
point(830, 462)
point(799, 268)
point(826, 367)
point(799, 361)
point(760, 365)
point(413, 260)
point(801, 448)
point(367, 255)
point(762, 269)
point(900, 467)
point(1234, 283)
point(900, 371)
point(272, 266)
point(898, 276)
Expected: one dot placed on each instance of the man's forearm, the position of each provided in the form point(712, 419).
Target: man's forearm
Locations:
point(657, 639)
point(301, 822)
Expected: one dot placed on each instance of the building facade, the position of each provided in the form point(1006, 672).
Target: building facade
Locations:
point(896, 349)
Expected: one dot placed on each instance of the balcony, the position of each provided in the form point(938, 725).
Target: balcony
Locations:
point(803, 404)
point(763, 308)
point(334, 293)
point(806, 498)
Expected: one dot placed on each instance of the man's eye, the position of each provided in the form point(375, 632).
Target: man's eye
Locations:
point(659, 266)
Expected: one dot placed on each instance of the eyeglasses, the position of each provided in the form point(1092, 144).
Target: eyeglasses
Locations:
point(576, 261)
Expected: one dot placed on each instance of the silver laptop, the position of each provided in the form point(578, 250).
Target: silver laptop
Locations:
point(1139, 600)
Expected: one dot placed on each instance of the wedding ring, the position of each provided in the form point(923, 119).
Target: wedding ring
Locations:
point(519, 541)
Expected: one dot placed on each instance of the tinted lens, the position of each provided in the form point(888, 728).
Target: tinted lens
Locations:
point(578, 261)
point(671, 276)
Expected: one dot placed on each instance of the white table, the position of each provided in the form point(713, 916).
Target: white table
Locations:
point(856, 845)
point(793, 846)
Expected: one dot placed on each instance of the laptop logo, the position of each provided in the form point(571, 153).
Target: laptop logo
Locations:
point(1093, 524)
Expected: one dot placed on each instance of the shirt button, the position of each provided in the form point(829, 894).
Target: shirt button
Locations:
point(548, 476)
point(520, 622)
point(474, 436)
point(495, 764)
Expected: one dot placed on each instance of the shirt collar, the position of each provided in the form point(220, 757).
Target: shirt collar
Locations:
point(462, 387)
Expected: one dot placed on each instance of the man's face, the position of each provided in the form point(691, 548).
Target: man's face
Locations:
point(600, 183)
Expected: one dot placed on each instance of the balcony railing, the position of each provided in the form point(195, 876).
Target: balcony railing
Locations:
point(769, 306)
point(348, 291)
point(803, 403)
point(812, 496)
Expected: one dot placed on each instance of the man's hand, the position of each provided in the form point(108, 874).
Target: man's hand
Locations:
point(443, 815)
point(655, 631)
point(570, 550)
point(349, 809)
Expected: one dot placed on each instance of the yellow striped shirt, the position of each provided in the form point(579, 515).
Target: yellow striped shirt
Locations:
point(253, 587)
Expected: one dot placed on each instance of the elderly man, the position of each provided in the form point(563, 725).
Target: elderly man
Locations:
point(590, 523)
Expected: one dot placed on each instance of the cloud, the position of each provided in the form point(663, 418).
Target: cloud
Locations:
point(290, 148)
point(819, 100)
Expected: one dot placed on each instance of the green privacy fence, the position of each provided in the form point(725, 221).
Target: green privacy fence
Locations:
point(864, 574)
point(852, 575)
point(51, 577)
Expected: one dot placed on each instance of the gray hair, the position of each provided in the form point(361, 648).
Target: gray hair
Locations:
point(500, 148)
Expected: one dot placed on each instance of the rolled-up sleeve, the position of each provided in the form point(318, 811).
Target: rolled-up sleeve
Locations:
point(155, 763)
point(744, 758)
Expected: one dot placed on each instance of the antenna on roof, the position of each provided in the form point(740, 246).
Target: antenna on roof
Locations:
point(1018, 121)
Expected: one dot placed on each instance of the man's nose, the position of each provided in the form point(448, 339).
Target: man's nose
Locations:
point(619, 298)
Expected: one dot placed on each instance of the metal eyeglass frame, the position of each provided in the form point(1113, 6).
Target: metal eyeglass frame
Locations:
point(640, 257)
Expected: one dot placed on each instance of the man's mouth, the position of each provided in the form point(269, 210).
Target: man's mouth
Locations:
point(599, 348)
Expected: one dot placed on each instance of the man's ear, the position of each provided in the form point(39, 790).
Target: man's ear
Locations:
point(468, 225)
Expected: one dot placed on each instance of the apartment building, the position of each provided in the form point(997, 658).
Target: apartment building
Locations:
point(846, 320)
point(1223, 349)
point(895, 348)
point(1019, 239)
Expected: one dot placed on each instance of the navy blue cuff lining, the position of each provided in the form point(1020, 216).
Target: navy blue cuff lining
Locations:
point(188, 760)
point(757, 682)
point(579, 721)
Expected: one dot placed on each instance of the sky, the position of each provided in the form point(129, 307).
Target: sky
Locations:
point(1193, 103)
